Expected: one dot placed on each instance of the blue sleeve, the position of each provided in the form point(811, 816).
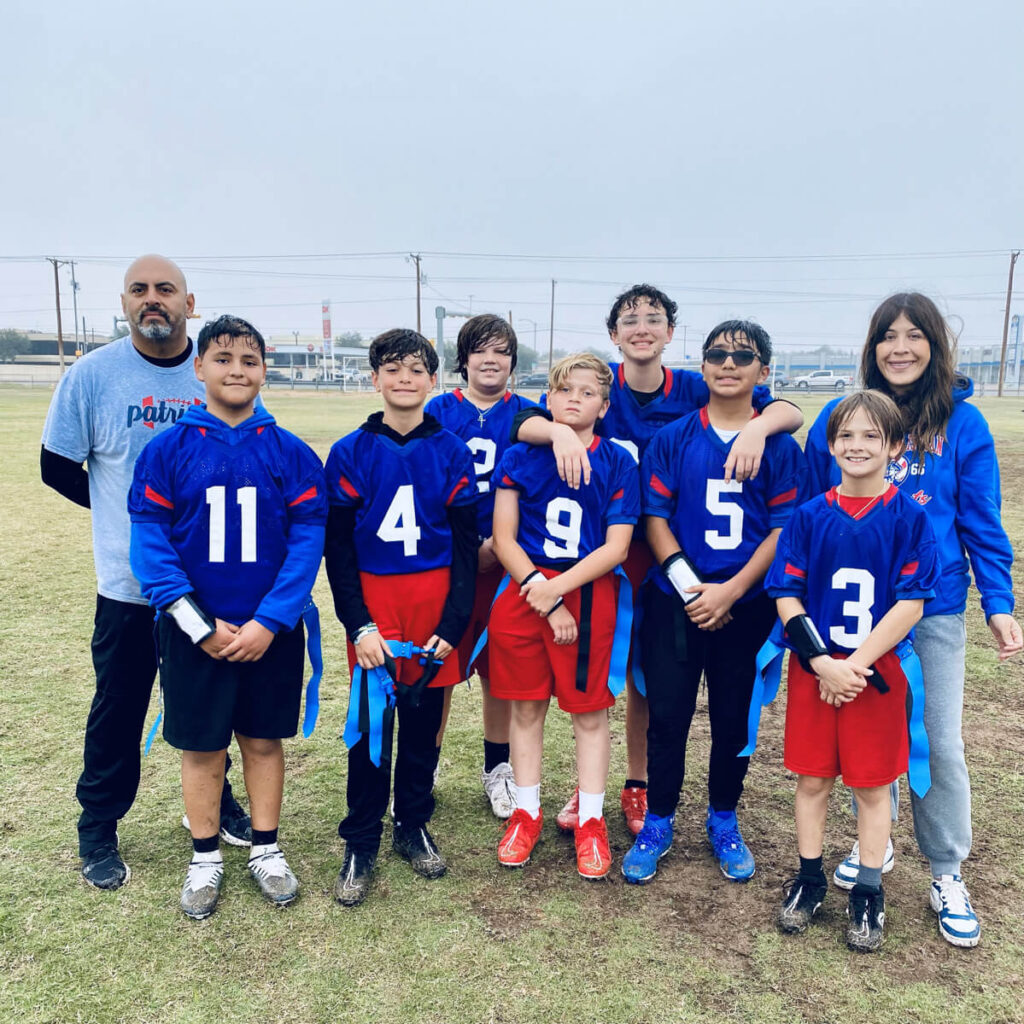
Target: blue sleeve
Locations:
point(820, 464)
point(920, 570)
point(624, 506)
point(762, 397)
point(507, 472)
point(978, 521)
point(343, 486)
point(462, 477)
point(788, 483)
point(787, 575)
point(657, 479)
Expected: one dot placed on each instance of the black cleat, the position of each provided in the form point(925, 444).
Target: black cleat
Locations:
point(103, 868)
point(803, 897)
point(417, 846)
point(354, 878)
point(866, 911)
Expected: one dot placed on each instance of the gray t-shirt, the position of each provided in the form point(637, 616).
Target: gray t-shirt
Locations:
point(106, 408)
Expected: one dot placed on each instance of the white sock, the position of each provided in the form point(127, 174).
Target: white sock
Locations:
point(528, 799)
point(258, 851)
point(591, 806)
point(213, 857)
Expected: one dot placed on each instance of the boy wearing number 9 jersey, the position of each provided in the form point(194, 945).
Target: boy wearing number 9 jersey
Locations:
point(552, 628)
point(228, 514)
point(401, 559)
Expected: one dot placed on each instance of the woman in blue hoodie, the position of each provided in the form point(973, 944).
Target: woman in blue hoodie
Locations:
point(949, 467)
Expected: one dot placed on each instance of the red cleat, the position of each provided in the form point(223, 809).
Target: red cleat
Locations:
point(593, 858)
point(569, 816)
point(520, 838)
point(634, 807)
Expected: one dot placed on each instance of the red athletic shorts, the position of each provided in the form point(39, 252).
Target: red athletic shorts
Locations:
point(408, 606)
point(486, 585)
point(864, 741)
point(527, 664)
point(638, 562)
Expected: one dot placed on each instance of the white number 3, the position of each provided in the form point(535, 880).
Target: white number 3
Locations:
point(859, 608)
point(399, 522)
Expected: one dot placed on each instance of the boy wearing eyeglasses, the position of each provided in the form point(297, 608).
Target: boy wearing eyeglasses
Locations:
point(707, 613)
point(645, 397)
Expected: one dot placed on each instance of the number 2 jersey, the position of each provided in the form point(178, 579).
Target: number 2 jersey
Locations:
point(719, 523)
point(559, 525)
point(848, 571)
point(233, 515)
point(487, 440)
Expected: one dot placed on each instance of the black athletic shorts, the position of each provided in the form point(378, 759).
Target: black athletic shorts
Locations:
point(206, 700)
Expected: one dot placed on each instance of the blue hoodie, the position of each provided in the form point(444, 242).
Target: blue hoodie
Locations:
point(233, 515)
point(958, 485)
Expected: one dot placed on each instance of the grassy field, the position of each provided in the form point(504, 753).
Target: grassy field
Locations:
point(482, 944)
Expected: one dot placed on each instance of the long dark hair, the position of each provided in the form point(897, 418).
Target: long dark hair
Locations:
point(928, 403)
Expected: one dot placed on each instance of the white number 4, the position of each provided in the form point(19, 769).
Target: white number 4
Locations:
point(399, 522)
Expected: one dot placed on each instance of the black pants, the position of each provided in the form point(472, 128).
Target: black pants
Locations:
point(124, 657)
point(415, 759)
point(675, 656)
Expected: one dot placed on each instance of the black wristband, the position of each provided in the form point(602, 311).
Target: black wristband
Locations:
point(529, 576)
point(805, 638)
point(557, 604)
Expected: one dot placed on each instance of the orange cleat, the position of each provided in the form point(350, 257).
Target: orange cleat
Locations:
point(569, 816)
point(593, 858)
point(634, 807)
point(520, 838)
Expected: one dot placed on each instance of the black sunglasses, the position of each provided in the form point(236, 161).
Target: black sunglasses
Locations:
point(740, 356)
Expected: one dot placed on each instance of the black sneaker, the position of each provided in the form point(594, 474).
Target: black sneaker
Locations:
point(354, 877)
point(417, 846)
point(235, 824)
point(803, 897)
point(104, 869)
point(866, 911)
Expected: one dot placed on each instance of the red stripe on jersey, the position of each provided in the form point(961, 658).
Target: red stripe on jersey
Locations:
point(622, 375)
point(507, 397)
point(893, 489)
point(658, 486)
point(348, 488)
point(668, 382)
point(705, 420)
point(259, 430)
point(202, 430)
point(909, 569)
point(158, 499)
point(305, 496)
point(782, 499)
point(508, 481)
point(792, 570)
point(458, 394)
point(831, 494)
point(618, 494)
point(464, 482)
point(593, 444)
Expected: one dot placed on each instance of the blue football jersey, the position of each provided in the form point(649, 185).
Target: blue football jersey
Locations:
point(234, 514)
point(719, 523)
point(849, 571)
point(557, 524)
point(401, 493)
point(487, 435)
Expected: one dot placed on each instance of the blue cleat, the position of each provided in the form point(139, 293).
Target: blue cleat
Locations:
point(734, 859)
point(652, 843)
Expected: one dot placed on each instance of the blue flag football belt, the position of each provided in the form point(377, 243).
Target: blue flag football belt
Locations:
point(620, 640)
point(374, 694)
point(311, 620)
point(768, 677)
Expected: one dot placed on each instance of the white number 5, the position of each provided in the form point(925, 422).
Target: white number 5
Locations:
point(399, 522)
point(733, 512)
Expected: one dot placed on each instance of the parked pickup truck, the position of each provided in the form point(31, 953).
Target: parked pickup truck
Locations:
point(826, 379)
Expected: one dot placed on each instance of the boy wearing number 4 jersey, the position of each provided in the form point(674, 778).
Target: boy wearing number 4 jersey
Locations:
point(401, 559)
point(706, 613)
point(553, 628)
point(228, 514)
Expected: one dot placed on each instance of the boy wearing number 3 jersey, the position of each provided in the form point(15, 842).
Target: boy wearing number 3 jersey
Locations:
point(228, 514)
point(553, 627)
point(401, 559)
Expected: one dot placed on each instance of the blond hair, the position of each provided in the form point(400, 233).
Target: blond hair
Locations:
point(559, 373)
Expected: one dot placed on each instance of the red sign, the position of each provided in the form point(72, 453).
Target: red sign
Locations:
point(325, 310)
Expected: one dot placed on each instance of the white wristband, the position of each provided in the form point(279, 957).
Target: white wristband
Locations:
point(681, 575)
point(191, 619)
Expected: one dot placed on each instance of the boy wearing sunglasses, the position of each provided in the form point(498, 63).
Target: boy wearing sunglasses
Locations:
point(707, 613)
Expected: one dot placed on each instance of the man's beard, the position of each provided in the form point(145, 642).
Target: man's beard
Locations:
point(154, 330)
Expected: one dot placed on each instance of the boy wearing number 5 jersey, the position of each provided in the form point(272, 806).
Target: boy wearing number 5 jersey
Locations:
point(553, 628)
point(401, 559)
point(228, 514)
point(706, 613)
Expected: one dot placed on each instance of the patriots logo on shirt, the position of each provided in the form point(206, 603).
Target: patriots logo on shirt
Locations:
point(150, 412)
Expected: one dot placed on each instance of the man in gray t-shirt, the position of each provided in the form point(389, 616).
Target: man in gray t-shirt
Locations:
point(105, 409)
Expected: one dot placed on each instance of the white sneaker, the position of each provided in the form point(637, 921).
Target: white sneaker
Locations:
point(958, 924)
point(845, 875)
point(500, 787)
point(202, 887)
point(274, 877)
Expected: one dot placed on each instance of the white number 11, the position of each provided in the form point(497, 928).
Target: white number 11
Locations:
point(246, 499)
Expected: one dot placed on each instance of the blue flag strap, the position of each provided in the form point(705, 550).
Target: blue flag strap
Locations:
point(639, 679)
point(482, 642)
point(623, 635)
point(151, 735)
point(918, 769)
point(311, 620)
point(767, 680)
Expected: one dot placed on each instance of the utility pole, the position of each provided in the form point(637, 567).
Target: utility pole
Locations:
point(56, 287)
point(551, 328)
point(74, 300)
point(415, 257)
point(1006, 323)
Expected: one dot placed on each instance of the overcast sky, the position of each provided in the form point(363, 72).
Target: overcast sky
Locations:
point(729, 153)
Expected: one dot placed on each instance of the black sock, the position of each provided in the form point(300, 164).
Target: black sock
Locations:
point(810, 868)
point(264, 837)
point(635, 784)
point(861, 889)
point(206, 845)
point(495, 754)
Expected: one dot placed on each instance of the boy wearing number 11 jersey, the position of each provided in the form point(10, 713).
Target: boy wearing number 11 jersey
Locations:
point(401, 559)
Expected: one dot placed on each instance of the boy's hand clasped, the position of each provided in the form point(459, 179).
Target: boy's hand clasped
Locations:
point(839, 680)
